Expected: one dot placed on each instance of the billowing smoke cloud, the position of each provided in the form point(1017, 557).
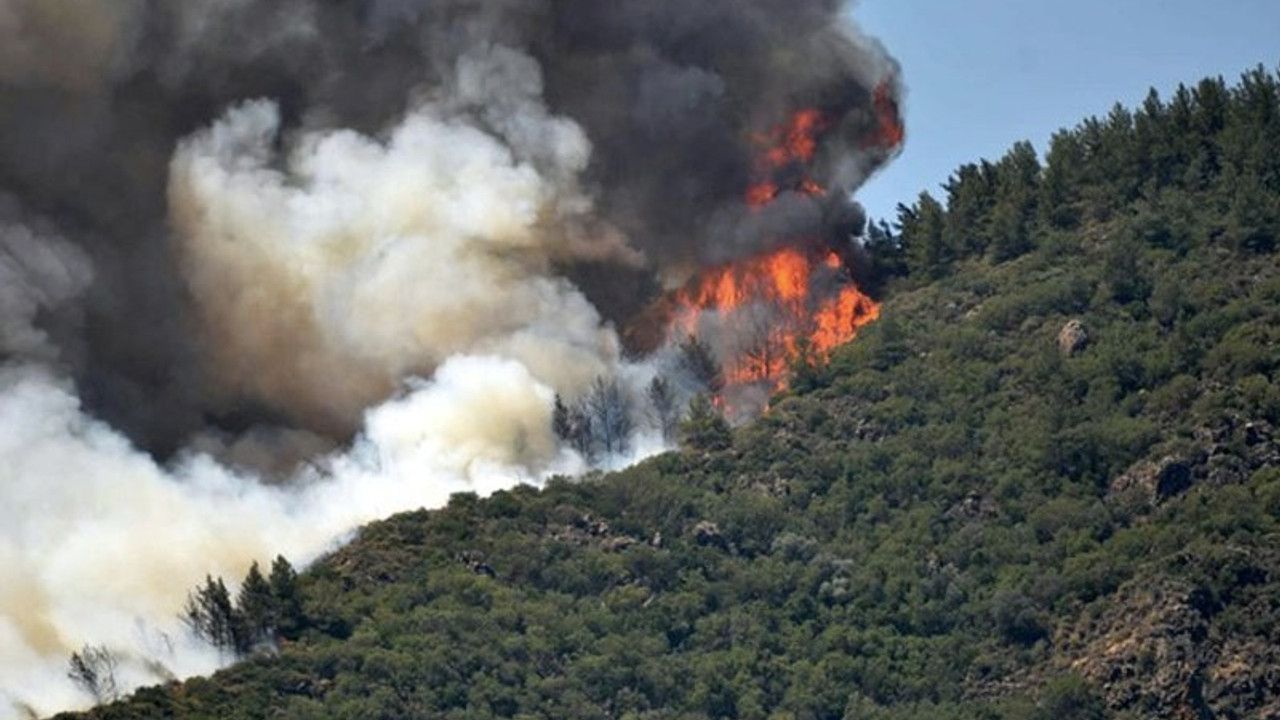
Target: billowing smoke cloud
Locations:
point(378, 236)
point(325, 277)
point(99, 544)
point(41, 274)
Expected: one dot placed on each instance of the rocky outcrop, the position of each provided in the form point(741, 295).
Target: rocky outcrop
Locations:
point(1144, 651)
point(1226, 453)
point(1073, 338)
point(1156, 481)
point(585, 530)
point(1235, 448)
point(1166, 647)
point(707, 534)
point(973, 507)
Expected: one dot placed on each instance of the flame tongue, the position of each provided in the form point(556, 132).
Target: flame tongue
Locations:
point(789, 148)
point(889, 131)
point(758, 313)
point(764, 309)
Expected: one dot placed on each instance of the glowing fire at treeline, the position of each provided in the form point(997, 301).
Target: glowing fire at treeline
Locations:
point(799, 298)
point(776, 303)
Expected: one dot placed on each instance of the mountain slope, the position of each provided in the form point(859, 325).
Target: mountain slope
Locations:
point(1045, 484)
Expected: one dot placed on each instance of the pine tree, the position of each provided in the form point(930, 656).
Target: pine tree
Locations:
point(705, 428)
point(886, 254)
point(258, 612)
point(1253, 215)
point(920, 228)
point(561, 421)
point(291, 620)
point(1017, 184)
point(971, 193)
point(1059, 205)
point(211, 616)
point(573, 425)
point(809, 369)
point(700, 363)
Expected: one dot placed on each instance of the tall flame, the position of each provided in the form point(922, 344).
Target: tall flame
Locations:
point(768, 309)
point(770, 306)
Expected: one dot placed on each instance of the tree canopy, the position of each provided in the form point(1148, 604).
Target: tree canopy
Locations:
point(1045, 484)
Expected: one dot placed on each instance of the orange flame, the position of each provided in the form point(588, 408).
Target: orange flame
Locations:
point(838, 319)
point(889, 131)
point(761, 194)
point(792, 145)
point(772, 304)
point(770, 307)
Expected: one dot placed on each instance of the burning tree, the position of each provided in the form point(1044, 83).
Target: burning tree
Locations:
point(761, 312)
point(700, 363)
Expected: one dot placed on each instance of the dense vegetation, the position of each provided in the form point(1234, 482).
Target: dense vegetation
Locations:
point(1045, 485)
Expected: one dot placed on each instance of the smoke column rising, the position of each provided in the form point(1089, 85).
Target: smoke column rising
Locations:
point(374, 236)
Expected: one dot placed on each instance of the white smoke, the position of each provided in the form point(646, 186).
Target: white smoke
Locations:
point(327, 276)
point(99, 545)
point(377, 247)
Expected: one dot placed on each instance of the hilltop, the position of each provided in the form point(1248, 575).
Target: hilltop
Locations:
point(1045, 484)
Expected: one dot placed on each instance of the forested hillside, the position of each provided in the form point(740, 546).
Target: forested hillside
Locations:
point(1045, 484)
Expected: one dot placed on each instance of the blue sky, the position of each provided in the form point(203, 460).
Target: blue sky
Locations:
point(983, 74)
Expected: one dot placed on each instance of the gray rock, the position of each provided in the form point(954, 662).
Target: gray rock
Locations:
point(1073, 338)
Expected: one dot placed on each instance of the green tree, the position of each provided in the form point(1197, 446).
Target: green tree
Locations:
point(1059, 204)
point(971, 193)
point(258, 611)
point(1017, 187)
point(1124, 270)
point(211, 616)
point(887, 260)
point(1253, 214)
point(921, 233)
point(704, 428)
point(809, 369)
point(1070, 698)
point(290, 618)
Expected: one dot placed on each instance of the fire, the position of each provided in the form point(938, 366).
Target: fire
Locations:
point(791, 146)
point(838, 320)
point(760, 313)
point(889, 132)
point(766, 308)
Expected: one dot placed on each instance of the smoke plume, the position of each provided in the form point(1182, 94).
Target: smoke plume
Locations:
point(270, 269)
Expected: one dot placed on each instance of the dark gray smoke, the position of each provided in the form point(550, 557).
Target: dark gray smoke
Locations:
point(96, 97)
point(672, 92)
point(377, 236)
